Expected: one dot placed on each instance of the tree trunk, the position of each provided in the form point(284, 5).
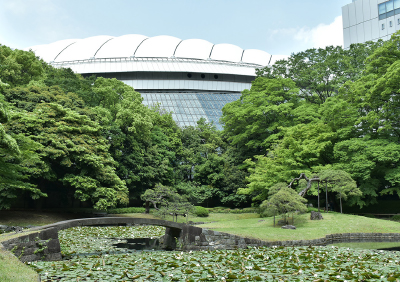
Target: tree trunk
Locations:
point(318, 196)
point(326, 193)
point(274, 219)
point(147, 207)
point(341, 210)
point(309, 182)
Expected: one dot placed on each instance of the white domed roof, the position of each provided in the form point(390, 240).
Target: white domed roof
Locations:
point(140, 46)
point(194, 49)
point(226, 52)
point(50, 51)
point(83, 49)
point(253, 56)
point(122, 46)
point(162, 46)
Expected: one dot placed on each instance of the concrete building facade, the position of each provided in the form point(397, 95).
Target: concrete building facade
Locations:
point(370, 20)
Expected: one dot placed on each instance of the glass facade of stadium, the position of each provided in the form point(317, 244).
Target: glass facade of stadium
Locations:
point(190, 78)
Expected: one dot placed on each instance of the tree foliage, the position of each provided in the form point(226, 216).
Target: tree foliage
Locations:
point(282, 200)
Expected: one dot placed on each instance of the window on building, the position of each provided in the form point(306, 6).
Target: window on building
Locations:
point(382, 11)
point(382, 8)
point(389, 6)
point(390, 24)
point(396, 4)
point(383, 26)
point(398, 21)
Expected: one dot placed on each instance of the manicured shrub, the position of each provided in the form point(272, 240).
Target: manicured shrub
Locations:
point(200, 211)
point(396, 217)
point(127, 210)
point(228, 210)
point(310, 209)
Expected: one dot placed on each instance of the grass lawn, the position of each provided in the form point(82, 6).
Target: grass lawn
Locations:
point(12, 270)
point(213, 217)
point(369, 245)
point(306, 228)
point(24, 218)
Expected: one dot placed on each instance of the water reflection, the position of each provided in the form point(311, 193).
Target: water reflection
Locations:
point(139, 244)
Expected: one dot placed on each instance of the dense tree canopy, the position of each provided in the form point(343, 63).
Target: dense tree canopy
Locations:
point(346, 119)
point(90, 141)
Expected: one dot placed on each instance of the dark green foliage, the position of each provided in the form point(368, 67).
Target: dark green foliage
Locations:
point(92, 139)
point(282, 200)
point(396, 217)
point(200, 211)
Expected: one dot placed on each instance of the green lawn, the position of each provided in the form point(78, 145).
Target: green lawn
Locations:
point(213, 217)
point(368, 245)
point(306, 228)
point(12, 270)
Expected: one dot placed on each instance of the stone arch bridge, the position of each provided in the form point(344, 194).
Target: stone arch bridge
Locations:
point(45, 238)
point(174, 231)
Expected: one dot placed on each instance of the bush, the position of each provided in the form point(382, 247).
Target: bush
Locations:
point(396, 217)
point(127, 210)
point(228, 210)
point(200, 211)
point(310, 209)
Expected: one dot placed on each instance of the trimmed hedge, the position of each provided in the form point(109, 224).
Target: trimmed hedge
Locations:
point(200, 211)
point(127, 210)
point(228, 210)
point(396, 217)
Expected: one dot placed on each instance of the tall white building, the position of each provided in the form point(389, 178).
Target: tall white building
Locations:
point(370, 20)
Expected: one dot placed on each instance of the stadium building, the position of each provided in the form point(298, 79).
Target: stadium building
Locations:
point(192, 78)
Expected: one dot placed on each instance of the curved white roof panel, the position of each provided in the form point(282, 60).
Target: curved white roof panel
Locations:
point(141, 48)
point(162, 46)
point(83, 49)
point(119, 47)
point(253, 56)
point(50, 51)
point(226, 52)
point(194, 49)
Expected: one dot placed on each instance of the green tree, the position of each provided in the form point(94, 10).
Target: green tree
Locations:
point(341, 183)
point(142, 140)
point(319, 73)
point(166, 201)
point(282, 200)
point(253, 122)
point(74, 152)
point(18, 67)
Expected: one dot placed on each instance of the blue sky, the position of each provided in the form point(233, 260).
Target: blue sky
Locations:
point(277, 27)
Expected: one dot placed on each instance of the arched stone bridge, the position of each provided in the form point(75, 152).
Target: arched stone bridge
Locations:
point(174, 231)
point(27, 244)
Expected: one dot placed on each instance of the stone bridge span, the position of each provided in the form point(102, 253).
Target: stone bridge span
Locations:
point(174, 231)
point(41, 242)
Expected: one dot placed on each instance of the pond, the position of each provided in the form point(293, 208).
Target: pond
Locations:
point(91, 255)
point(89, 240)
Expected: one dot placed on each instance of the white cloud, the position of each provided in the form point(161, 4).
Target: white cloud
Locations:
point(317, 37)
